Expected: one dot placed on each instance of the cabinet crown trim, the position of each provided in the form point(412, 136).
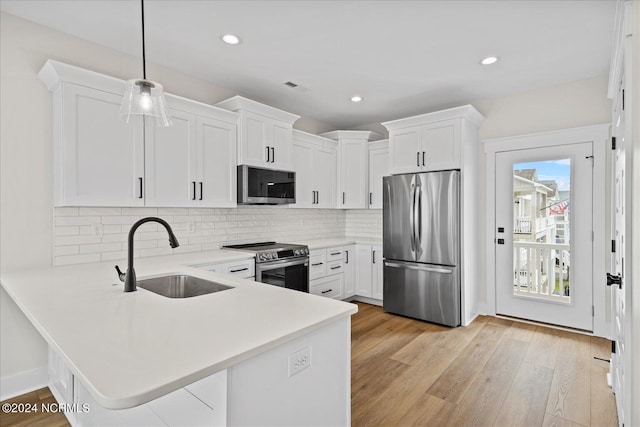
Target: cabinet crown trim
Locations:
point(352, 134)
point(467, 112)
point(239, 103)
point(311, 138)
point(53, 73)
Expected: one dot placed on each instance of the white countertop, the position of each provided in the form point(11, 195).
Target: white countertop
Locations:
point(339, 241)
point(130, 348)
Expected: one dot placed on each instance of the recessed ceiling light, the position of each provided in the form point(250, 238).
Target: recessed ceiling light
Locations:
point(356, 98)
point(489, 60)
point(230, 39)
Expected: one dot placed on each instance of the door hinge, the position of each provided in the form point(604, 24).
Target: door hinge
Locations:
point(613, 142)
point(613, 246)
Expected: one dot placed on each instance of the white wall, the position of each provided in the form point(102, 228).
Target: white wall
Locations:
point(26, 213)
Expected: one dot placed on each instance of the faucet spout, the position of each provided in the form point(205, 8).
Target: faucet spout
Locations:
point(130, 276)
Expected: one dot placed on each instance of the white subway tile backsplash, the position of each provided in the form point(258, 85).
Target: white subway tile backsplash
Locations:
point(197, 229)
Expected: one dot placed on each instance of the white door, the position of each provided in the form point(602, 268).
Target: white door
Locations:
point(353, 174)
point(405, 150)
point(325, 177)
point(544, 238)
point(377, 271)
point(364, 286)
point(279, 142)
point(303, 165)
point(440, 145)
point(378, 168)
point(619, 310)
point(216, 147)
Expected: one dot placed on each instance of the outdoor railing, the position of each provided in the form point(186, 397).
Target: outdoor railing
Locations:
point(542, 270)
point(522, 224)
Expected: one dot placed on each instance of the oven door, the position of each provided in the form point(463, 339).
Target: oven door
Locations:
point(290, 274)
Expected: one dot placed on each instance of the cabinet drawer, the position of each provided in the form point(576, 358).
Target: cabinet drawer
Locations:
point(334, 253)
point(244, 269)
point(317, 264)
point(330, 287)
point(335, 267)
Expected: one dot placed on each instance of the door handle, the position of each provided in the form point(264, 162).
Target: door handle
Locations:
point(201, 186)
point(268, 153)
point(501, 241)
point(418, 158)
point(194, 190)
point(317, 264)
point(239, 269)
point(423, 158)
point(140, 184)
point(373, 256)
point(327, 291)
point(343, 197)
point(614, 280)
point(370, 198)
point(347, 253)
point(317, 197)
point(273, 154)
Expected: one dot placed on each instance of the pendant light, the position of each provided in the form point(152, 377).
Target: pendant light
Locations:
point(144, 97)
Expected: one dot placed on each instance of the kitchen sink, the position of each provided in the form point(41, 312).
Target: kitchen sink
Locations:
point(181, 286)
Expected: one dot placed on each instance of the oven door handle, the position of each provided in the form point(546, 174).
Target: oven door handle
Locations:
point(279, 264)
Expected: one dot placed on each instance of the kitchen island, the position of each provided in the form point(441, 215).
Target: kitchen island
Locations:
point(282, 357)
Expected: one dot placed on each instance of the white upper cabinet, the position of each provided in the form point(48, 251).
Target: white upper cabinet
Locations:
point(265, 136)
point(353, 167)
point(378, 168)
point(100, 160)
point(315, 164)
point(193, 161)
point(431, 141)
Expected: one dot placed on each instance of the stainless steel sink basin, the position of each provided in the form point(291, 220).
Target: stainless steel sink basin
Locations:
point(181, 286)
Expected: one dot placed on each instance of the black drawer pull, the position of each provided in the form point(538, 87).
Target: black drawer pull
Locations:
point(240, 269)
point(200, 190)
point(194, 190)
point(317, 264)
point(327, 291)
point(336, 253)
point(336, 267)
point(140, 182)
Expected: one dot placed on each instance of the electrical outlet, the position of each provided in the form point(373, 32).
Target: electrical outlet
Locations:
point(96, 230)
point(299, 361)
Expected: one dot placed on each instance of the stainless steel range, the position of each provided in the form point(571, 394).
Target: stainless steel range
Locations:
point(279, 264)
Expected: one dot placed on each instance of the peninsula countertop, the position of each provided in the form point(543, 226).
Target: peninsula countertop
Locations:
point(130, 348)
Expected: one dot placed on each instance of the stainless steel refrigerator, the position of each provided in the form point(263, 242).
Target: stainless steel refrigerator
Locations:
point(421, 246)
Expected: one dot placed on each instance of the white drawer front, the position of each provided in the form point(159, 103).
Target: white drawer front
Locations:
point(317, 264)
point(244, 269)
point(334, 254)
point(330, 287)
point(335, 267)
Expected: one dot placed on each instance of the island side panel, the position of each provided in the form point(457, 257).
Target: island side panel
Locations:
point(261, 391)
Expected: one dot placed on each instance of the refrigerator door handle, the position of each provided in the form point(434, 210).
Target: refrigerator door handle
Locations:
point(419, 225)
point(412, 217)
point(418, 267)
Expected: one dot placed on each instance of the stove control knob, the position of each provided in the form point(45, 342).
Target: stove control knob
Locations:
point(262, 257)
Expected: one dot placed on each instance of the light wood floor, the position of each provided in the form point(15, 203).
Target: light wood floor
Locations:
point(492, 372)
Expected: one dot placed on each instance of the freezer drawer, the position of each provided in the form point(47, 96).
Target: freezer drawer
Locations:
point(422, 291)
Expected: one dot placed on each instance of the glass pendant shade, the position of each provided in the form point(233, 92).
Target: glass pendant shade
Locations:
point(146, 98)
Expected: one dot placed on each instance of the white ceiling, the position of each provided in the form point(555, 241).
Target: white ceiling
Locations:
point(402, 57)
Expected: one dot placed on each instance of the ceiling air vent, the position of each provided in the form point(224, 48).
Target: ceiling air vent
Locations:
point(291, 84)
point(296, 87)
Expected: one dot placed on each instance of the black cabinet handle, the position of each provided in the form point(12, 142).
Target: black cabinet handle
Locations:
point(347, 254)
point(336, 253)
point(240, 269)
point(327, 291)
point(273, 154)
point(140, 187)
point(418, 158)
point(268, 153)
point(343, 197)
point(370, 198)
point(423, 159)
point(317, 197)
point(317, 264)
point(194, 190)
point(336, 267)
point(200, 190)
point(373, 256)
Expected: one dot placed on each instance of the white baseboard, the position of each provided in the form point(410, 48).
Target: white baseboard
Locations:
point(23, 382)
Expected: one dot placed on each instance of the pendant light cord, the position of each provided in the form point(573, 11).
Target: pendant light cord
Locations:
point(144, 60)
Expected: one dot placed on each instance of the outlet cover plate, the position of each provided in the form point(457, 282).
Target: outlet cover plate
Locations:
point(299, 361)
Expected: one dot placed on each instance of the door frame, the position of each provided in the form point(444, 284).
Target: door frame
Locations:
point(598, 135)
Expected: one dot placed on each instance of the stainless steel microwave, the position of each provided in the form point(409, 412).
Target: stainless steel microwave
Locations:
point(259, 186)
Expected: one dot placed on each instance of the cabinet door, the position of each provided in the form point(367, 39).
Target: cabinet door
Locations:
point(279, 140)
point(253, 132)
point(303, 160)
point(377, 271)
point(363, 271)
point(170, 161)
point(405, 146)
point(317, 264)
point(329, 287)
point(353, 174)
point(378, 167)
point(441, 145)
point(325, 165)
point(216, 142)
point(349, 271)
point(101, 158)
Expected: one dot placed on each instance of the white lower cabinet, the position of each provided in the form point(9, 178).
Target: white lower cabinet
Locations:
point(349, 271)
point(326, 272)
point(245, 268)
point(330, 286)
point(369, 271)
